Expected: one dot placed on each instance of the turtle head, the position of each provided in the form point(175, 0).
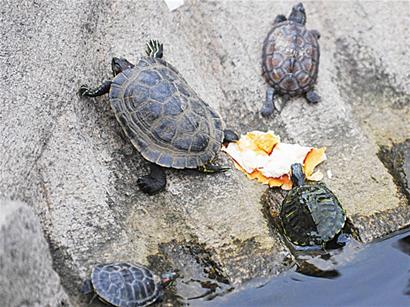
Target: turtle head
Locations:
point(298, 14)
point(120, 64)
point(168, 277)
point(297, 176)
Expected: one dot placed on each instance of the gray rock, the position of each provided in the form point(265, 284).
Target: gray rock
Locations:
point(397, 160)
point(27, 277)
point(65, 156)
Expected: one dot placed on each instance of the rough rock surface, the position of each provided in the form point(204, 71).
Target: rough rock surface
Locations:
point(27, 277)
point(65, 156)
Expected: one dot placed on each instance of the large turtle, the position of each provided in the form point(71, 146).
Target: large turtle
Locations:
point(310, 213)
point(290, 60)
point(163, 117)
point(126, 285)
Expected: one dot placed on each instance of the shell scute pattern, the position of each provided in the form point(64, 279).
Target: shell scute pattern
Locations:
point(164, 118)
point(149, 78)
point(148, 113)
point(188, 124)
point(183, 143)
point(290, 58)
point(200, 142)
point(162, 91)
point(115, 90)
point(122, 284)
point(166, 130)
point(183, 90)
point(311, 215)
point(174, 106)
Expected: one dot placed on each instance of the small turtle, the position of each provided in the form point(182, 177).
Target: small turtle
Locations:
point(163, 117)
point(310, 213)
point(126, 285)
point(290, 60)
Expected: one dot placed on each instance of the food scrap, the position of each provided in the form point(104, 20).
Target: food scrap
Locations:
point(261, 156)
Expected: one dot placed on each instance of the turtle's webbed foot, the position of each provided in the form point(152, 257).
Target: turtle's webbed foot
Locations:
point(83, 90)
point(154, 49)
point(151, 185)
point(154, 182)
point(267, 110)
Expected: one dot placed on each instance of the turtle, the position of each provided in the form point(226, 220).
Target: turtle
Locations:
point(311, 214)
point(126, 285)
point(290, 60)
point(165, 119)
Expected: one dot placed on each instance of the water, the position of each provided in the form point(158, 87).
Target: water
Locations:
point(378, 275)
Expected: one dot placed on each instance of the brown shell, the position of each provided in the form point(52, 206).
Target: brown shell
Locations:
point(165, 119)
point(290, 58)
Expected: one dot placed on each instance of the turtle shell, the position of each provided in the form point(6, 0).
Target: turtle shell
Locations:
point(311, 215)
point(290, 58)
point(163, 117)
point(123, 284)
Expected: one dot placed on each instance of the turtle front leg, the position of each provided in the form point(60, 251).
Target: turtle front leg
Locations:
point(154, 182)
point(267, 108)
point(98, 91)
point(312, 97)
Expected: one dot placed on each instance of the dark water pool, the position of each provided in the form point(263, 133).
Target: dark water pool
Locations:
point(378, 275)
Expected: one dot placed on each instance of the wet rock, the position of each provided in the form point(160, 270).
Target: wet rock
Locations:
point(199, 274)
point(27, 277)
point(397, 160)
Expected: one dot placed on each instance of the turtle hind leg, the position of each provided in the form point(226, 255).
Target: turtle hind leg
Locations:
point(212, 169)
point(279, 18)
point(154, 182)
point(230, 136)
point(267, 107)
point(312, 97)
point(87, 287)
point(104, 88)
point(155, 49)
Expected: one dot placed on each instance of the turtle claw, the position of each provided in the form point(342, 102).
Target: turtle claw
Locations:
point(104, 88)
point(154, 49)
point(83, 90)
point(266, 110)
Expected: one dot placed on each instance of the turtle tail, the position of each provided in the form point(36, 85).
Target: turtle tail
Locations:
point(154, 49)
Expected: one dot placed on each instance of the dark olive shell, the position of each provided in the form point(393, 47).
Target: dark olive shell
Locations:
point(290, 58)
point(163, 117)
point(123, 284)
point(311, 215)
